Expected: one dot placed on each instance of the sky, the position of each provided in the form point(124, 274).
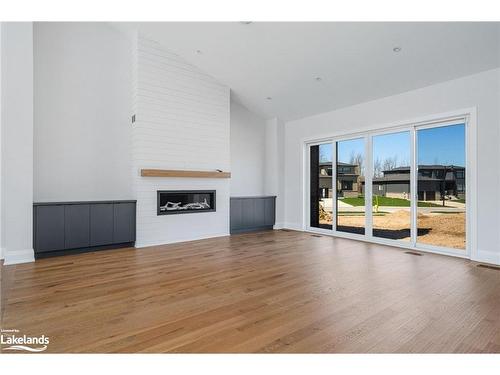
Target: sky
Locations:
point(394, 145)
point(441, 145)
point(444, 145)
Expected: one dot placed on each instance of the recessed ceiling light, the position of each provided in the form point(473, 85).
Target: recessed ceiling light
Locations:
point(397, 49)
point(269, 98)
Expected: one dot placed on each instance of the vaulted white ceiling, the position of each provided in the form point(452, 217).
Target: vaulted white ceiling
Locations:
point(355, 61)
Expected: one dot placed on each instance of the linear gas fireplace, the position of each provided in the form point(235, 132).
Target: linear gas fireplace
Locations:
point(171, 202)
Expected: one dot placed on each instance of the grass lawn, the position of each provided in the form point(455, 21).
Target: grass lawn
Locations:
point(384, 201)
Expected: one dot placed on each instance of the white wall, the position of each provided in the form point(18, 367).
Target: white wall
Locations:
point(1, 157)
point(17, 141)
point(1, 173)
point(481, 90)
point(248, 132)
point(82, 88)
point(275, 166)
point(183, 122)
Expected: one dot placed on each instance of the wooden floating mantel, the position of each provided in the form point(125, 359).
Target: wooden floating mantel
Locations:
point(183, 173)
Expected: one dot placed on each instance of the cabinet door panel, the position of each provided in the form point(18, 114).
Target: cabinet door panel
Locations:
point(101, 224)
point(124, 222)
point(247, 213)
point(269, 211)
point(236, 214)
point(77, 226)
point(260, 212)
point(49, 229)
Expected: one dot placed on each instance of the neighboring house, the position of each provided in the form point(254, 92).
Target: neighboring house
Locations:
point(325, 179)
point(395, 183)
point(433, 180)
point(347, 181)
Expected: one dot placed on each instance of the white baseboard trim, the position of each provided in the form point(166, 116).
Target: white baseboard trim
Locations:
point(293, 226)
point(18, 256)
point(279, 226)
point(492, 257)
point(149, 244)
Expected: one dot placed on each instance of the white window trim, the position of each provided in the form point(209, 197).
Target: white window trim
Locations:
point(468, 115)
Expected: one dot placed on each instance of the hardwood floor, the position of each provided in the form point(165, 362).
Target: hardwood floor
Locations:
point(277, 291)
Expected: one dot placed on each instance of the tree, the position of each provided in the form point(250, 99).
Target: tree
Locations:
point(390, 163)
point(377, 168)
point(357, 159)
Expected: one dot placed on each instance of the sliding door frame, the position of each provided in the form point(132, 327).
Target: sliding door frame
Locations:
point(307, 178)
point(334, 177)
point(465, 116)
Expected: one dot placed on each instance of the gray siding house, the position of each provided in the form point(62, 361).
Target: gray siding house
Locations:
point(434, 181)
point(348, 180)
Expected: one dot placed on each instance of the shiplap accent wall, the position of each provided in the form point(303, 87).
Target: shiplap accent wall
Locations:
point(182, 122)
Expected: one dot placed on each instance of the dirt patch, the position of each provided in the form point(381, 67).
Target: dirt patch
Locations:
point(446, 230)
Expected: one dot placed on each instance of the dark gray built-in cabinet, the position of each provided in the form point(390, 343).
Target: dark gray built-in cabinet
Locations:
point(68, 227)
point(252, 213)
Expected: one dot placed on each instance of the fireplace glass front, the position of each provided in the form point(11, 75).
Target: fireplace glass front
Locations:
point(171, 202)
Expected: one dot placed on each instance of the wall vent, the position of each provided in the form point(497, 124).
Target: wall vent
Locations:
point(413, 253)
point(488, 266)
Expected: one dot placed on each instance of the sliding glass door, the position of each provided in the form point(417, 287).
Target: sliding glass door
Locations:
point(391, 186)
point(350, 199)
point(321, 197)
point(406, 186)
point(441, 186)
